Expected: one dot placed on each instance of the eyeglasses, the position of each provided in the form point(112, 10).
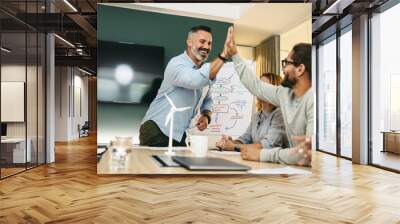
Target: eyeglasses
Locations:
point(285, 62)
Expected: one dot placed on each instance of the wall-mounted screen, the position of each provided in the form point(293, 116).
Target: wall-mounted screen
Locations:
point(12, 101)
point(129, 73)
point(128, 79)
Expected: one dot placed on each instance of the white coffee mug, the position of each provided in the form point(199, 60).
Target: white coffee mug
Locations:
point(198, 144)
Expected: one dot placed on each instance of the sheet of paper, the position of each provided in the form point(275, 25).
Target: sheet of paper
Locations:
point(225, 152)
point(176, 148)
point(283, 170)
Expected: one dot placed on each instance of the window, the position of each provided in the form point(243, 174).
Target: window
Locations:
point(346, 92)
point(327, 96)
point(22, 75)
point(385, 88)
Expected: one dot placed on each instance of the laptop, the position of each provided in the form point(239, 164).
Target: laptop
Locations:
point(165, 161)
point(209, 163)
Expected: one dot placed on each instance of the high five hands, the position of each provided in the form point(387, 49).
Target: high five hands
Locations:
point(230, 45)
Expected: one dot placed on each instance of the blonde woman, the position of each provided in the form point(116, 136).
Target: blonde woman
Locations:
point(266, 129)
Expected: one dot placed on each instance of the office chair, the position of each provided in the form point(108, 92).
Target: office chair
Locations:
point(84, 130)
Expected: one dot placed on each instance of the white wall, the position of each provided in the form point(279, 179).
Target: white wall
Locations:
point(246, 52)
point(12, 101)
point(33, 125)
point(80, 108)
point(71, 102)
point(299, 34)
point(61, 103)
point(17, 72)
point(82, 82)
point(14, 72)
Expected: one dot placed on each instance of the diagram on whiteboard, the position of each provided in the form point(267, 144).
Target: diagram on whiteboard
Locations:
point(233, 104)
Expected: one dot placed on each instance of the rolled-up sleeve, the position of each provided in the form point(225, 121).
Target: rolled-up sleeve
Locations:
point(262, 90)
point(182, 75)
point(279, 155)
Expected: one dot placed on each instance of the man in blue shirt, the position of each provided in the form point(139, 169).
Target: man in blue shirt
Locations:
point(185, 78)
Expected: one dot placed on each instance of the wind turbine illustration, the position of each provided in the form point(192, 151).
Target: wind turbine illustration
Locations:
point(170, 120)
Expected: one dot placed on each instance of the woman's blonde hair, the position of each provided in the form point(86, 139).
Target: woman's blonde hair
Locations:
point(274, 79)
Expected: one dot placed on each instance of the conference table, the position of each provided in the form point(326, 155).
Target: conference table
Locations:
point(140, 161)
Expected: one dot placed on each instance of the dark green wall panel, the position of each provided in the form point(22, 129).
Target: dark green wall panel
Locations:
point(157, 29)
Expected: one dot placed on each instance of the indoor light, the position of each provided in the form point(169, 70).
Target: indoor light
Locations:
point(65, 41)
point(124, 74)
point(84, 71)
point(337, 7)
point(70, 5)
point(5, 50)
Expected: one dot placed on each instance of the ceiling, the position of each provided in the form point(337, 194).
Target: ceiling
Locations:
point(254, 22)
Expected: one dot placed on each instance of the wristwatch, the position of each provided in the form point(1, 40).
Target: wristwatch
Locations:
point(222, 58)
point(237, 148)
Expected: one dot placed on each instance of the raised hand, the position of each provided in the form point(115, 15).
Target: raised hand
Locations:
point(229, 35)
point(229, 46)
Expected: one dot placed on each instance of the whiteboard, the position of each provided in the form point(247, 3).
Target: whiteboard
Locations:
point(12, 101)
point(232, 103)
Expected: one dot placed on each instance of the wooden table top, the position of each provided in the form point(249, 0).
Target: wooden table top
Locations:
point(140, 162)
point(391, 132)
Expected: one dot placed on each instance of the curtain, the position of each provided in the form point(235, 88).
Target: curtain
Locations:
point(267, 55)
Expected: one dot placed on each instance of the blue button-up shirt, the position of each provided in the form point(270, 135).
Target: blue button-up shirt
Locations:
point(183, 83)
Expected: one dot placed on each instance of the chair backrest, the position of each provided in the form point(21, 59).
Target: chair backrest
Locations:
point(86, 125)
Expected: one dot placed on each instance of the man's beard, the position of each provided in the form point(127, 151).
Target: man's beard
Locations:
point(288, 82)
point(198, 56)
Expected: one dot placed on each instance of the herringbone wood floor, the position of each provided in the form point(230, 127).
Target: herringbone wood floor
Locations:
point(70, 191)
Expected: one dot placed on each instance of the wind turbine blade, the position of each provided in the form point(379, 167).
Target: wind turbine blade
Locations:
point(183, 108)
point(168, 118)
point(170, 101)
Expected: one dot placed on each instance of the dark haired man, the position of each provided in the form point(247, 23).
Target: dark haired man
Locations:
point(186, 81)
point(294, 97)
